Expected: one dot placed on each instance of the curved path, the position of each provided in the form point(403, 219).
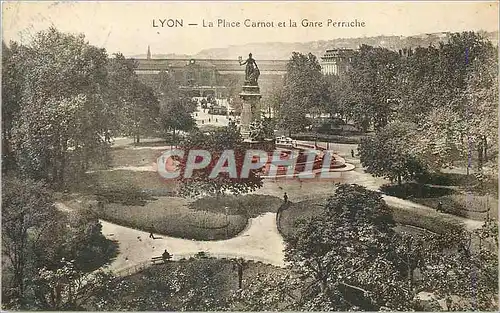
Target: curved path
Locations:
point(260, 241)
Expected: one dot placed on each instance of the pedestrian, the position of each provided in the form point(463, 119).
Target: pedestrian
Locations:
point(352, 153)
point(151, 232)
point(285, 197)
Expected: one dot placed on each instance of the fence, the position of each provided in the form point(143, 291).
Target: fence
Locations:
point(133, 269)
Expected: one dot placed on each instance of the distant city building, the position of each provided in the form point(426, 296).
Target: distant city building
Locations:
point(203, 77)
point(336, 61)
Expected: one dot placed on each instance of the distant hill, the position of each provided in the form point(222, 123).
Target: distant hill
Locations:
point(283, 50)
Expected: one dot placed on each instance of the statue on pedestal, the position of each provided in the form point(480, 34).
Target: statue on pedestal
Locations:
point(252, 72)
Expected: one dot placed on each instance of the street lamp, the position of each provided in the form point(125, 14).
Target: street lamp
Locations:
point(226, 209)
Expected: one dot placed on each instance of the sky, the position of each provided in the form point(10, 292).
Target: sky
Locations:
point(127, 27)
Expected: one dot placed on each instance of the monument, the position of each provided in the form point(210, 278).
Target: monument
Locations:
point(252, 128)
point(250, 96)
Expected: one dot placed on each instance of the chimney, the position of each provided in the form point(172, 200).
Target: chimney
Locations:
point(149, 53)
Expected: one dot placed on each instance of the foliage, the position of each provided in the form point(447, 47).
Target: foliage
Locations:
point(389, 153)
point(136, 103)
point(266, 291)
point(35, 235)
point(67, 288)
point(77, 236)
point(27, 215)
point(451, 93)
point(63, 121)
point(175, 108)
point(348, 257)
point(454, 267)
point(373, 79)
point(11, 96)
point(343, 254)
point(200, 284)
point(303, 89)
point(216, 142)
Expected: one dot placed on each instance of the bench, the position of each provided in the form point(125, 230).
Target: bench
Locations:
point(157, 260)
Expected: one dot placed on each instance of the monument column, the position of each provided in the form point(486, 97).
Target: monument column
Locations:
point(250, 110)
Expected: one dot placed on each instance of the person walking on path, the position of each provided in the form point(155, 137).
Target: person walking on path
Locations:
point(151, 233)
point(352, 153)
point(285, 198)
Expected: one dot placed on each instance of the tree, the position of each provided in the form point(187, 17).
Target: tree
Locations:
point(76, 236)
point(373, 76)
point(11, 90)
point(175, 108)
point(450, 92)
point(67, 288)
point(344, 255)
point(390, 153)
point(63, 120)
point(457, 270)
point(27, 214)
point(341, 98)
point(135, 101)
point(216, 142)
point(271, 291)
point(303, 89)
point(35, 235)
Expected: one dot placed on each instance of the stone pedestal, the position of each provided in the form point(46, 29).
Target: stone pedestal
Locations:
point(250, 110)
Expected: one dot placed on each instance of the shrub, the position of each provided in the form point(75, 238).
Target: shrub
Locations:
point(414, 190)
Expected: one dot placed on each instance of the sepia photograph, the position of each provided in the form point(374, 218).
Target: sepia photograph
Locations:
point(250, 156)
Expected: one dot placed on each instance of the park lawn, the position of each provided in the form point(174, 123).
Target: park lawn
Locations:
point(142, 199)
point(124, 180)
point(297, 211)
point(124, 156)
point(250, 205)
point(171, 216)
point(454, 200)
point(470, 206)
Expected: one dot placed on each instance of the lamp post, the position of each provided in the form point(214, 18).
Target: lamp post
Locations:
point(226, 209)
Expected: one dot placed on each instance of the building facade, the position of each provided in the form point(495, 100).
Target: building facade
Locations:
point(203, 77)
point(336, 61)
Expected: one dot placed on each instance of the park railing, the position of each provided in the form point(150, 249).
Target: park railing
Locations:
point(135, 268)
